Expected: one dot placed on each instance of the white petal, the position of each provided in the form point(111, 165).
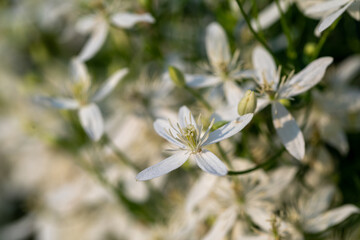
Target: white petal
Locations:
point(288, 131)
point(109, 85)
point(60, 103)
point(79, 73)
point(332, 133)
point(165, 166)
point(91, 120)
point(200, 190)
point(330, 218)
point(210, 163)
point(260, 214)
point(269, 15)
point(328, 20)
point(261, 104)
point(217, 47)
point(326, 6)
point(229, 129)
point(346, 71)
point(226, 113)
point(96, 40)
point(233, 93)
point(128, 20)
point(279, 180)
point(185, 117)
point(305, 79)
point(265, 66)
point(354, 10)
point(222, 225)
point(318, 202)
point(162, 127)
point(200, 81)
point(85, 24)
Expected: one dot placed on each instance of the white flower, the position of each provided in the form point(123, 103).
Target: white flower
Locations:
point(331, 10)
point(311, 214)
point(189, 139)
point(97, 25)
point(269, 15)
point(251, 197)
point(268, 78)
point(224, 67)
point(85, 102)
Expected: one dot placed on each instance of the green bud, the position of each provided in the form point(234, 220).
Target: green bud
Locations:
point(310, 49)
point(177, 76)
point(247, 104)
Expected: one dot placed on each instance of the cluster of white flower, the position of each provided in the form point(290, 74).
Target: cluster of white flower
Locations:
point(93, 169)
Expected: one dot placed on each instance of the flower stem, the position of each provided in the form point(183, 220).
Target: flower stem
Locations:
point(108, 142)
point(256, 35)
point(291, 53)
point(323, 38)
point(199, 97)
point(262, 165)
point(223, 154)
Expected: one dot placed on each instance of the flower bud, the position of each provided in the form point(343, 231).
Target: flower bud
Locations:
point(247, 104)
point(177, 76)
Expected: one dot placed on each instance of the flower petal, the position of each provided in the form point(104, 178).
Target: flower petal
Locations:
point(200, 81)
point(91, 120)
point(210, 163)
point(332, 133)
point(269, 15)
point(165, 166)
point(318, 202)
point(128, 20)
point(229, 129)
point(265, 67)
point(109, 85)
point(162, 127)
point(328, 20)
point(354, 10)
point(305, 79)
point(96, 40)
point(233, 92)
point(288, 131)
point(223, 224)
point(325, 6)
point(59, 103)
point(79, 73)
point(199, 191)
point(217, 47)
point(329, 218)
point(262, 103)
point(185, 117)
point(85, 24)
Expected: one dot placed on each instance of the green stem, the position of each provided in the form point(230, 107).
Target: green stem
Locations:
point(256, 35)
point(291, 50)
point(223, 154)
point(262, 165)
point(323, 39)
point(108, 141)
point(199, 97)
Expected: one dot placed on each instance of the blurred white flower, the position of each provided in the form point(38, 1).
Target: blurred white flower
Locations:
point(85, 102)
point(224, 68)
point(331, 10)
point(251, 196)
point(311, 214)
point(273, 90)
point(97, 25)
point(189, 139)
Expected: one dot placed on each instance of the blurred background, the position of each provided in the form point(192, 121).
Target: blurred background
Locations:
point(55, 183)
